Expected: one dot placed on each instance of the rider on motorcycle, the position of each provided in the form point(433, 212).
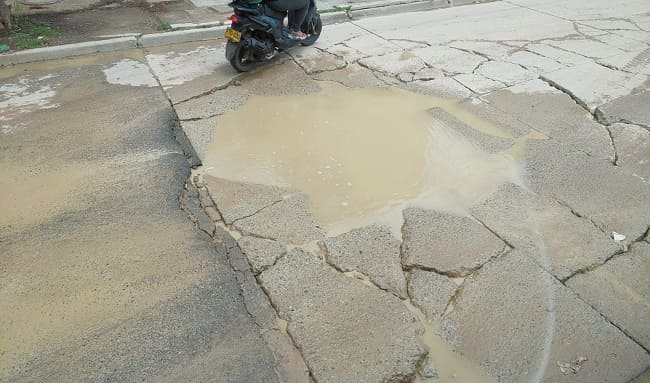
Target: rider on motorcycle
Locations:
point(297, 12)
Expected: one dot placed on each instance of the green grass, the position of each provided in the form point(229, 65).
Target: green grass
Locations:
point(336, 8)
point(164, 27)
point(28, 34)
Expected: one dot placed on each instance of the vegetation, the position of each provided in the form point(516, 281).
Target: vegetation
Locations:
point(336, 8)
point(27, 34)
point(164, 27)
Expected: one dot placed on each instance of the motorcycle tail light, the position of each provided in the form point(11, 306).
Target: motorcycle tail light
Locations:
point(234, 19)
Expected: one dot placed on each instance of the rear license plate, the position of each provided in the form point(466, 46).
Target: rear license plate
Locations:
point(233, 35)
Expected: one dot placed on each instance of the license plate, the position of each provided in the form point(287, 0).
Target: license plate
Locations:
point(233, 35)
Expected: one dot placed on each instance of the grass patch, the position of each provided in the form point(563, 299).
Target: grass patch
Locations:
point(164, 27)
point(336, 8)
point(28, 34)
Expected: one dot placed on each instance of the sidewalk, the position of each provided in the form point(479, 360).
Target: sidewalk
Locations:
point(70, 22)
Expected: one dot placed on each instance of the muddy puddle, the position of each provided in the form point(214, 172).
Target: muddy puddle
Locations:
point(362, 155)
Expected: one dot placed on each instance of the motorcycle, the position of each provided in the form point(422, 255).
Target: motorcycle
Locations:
point(257, 32)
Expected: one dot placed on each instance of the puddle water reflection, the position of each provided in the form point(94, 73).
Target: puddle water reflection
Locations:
point(362, 155)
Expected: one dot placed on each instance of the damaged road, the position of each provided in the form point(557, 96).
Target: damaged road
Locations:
point(501, 235)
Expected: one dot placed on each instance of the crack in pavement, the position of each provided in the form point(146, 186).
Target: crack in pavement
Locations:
point(594, 114)
point(256, 212)
point(210, 91)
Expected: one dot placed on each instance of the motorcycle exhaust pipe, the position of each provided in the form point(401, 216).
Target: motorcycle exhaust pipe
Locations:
point(256, 44)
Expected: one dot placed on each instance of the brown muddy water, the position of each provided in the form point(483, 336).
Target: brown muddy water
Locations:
point(361, 154)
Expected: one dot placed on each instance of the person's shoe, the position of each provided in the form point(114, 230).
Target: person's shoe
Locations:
point(297, 35)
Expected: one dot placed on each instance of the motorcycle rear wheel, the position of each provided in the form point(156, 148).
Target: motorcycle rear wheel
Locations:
point(313, 28)
point(240, 58)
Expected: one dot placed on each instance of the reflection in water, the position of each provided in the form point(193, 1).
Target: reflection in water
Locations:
point(362, 155)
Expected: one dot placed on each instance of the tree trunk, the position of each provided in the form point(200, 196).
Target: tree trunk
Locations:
point(5, 15)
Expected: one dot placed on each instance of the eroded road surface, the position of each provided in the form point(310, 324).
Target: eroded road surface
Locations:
point(460, 195)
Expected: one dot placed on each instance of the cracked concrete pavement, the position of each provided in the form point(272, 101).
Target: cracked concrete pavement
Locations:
point(119, 265)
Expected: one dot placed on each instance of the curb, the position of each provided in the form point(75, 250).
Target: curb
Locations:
point(199, 32)
point(111, 45)
point(61, 51)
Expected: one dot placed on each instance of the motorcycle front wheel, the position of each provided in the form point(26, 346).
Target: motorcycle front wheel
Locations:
point(240, 58)
point(312, 27)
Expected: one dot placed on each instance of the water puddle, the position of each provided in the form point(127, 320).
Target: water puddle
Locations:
point(362, 155)
point(451, 367)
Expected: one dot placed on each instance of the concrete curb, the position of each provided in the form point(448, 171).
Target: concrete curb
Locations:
point(197, 34)
point(111, 45)
point(200, 33)
point(61, 51)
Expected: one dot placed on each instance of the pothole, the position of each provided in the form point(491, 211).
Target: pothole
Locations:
point(361, 154)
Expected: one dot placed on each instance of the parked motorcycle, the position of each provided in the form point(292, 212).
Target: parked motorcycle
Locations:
point(257, 32)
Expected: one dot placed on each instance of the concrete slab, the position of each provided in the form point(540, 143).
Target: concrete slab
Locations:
point(372, 251)
point(431, 292)
point(339, 321)
point(444, 87)
point(237, 200)
point(585, 47)
point(617, 289)
point(106, 279)
point(556, 239)
point(593, 85)
point(637, 62)
point(556, 54)
point(353, 75)
point(261, 253)
point(631, 109)
point(191, 69)
point(449, 60)
point(519, 323)
point(446, 243)
point(479, 84)
point(556, 115)
point(394, 63)
point(314, 61)
point(505, 72)
point(199, 133)
point(486, 142)
point(610, 197)
point(289, 221)
point(534, 62)
point(466, 23)
point(632, 144)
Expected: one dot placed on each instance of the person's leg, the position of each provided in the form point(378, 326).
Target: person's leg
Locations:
point(297, 17)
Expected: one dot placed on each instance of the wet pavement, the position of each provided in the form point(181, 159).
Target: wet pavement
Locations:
point(431, 198)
